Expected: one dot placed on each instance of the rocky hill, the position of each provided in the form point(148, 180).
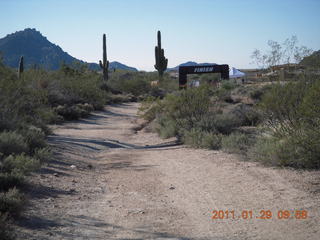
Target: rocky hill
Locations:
point(312, 61)
point(38, 50)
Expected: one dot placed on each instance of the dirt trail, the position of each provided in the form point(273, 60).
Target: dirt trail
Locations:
point(110, 182)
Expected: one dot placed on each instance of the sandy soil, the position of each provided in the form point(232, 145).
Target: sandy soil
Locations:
point(111, 182)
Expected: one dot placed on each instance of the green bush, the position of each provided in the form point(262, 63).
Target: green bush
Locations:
point(293, 116)
point(130, 82)
point(49, 116)
point(149, 108)
point(12, 143)
point(228, 85)
point(236, 143)
point(73, 112)
point(191, 116)
point(166, 127)
point(35, 138)
point(226, 123)
point(6, 231)
point(201, 139)
point(20, 163)
point(246, 115)
point(10, 180)
point(264, 150)
point(43, 154)
point(11, 202)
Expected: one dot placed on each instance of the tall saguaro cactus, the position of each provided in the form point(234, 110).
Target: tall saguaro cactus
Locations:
point(161, 61)
point(20, 69)
point(104, 64)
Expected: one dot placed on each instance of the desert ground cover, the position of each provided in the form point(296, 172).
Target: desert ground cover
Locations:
point(113, 180)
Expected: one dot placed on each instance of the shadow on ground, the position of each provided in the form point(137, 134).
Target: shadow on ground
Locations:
point(99, 144)
point(95, 228)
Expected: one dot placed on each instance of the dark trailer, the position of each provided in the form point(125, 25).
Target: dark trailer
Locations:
point(199, 69)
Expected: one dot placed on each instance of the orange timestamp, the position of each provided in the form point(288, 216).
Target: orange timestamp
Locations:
point(262, 214)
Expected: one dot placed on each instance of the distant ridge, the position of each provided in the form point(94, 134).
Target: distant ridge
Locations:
point(189, 63)
point(38, 50)
point(312, 61)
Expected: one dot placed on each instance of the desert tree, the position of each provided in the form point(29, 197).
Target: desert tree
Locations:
point(285, 53)
point(259, 59)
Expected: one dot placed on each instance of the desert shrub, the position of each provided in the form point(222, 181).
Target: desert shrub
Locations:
point(35, 138)
point(236, 142)
point(300, 152)
point(224, 95)
point(207, 123)
point(69, 112)
point(130, 82)
point(198, 138)
point(211, 141)
point(246, 115)
point(281, 105)
point(257, 94)
point(80, 86)
point(119, 98)
point(210, 78)
point(293, 116)
point(166, 127)
point(264, 150)
point(87, 107)
point(226, 123)
point(157, 92)
point(49, 116)
point(228, 85)
point(178, 113)
point(149, 108)
point(10, 180)
point(6, 231)
point(11, 202)
point(189, 107)
point(43, 154)
point(190, 116)
point(20, 163)
point(136, 86)
point(12, 143)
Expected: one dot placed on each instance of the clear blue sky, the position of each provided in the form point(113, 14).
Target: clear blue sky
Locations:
point(220, 31)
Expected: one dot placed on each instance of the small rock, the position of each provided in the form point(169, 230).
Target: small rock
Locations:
point(74, 181)
point(56, 174)
point(90, 166)
point(136, 211)
point(171, 188)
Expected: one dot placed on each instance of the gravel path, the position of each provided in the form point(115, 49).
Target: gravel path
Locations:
point(109, 181)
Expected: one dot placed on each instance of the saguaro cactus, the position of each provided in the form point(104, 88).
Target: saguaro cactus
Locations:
point(20, 70)
point(161, 61)
point(104, 64)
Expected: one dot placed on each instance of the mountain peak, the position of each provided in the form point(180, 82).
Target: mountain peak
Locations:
point(37, 49)
point(27, 32)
